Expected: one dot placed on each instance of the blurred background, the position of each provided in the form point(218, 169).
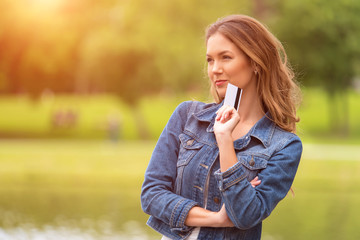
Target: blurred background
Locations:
point(87, 86)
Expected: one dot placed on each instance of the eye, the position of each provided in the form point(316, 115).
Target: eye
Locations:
point(209, 60)
point(226, 57)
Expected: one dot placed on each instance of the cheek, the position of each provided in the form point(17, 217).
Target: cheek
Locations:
point(242, 71)
point(208, 71)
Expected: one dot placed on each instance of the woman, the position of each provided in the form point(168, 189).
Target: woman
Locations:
point(217, 172)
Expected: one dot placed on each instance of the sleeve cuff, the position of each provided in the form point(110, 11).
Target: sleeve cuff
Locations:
point(179, 214)
point(230, 177)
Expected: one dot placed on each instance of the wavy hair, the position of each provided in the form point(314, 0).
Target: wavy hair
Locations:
point(278, 91)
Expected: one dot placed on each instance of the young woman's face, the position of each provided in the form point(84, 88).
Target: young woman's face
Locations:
point(228, 64)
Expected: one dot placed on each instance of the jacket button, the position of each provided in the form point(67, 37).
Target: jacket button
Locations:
point(190, 142)
point(216, 200)
point(252, 162)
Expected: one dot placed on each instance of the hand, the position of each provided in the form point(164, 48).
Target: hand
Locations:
point(226, 120)
point(255, 182)
point(223, 219)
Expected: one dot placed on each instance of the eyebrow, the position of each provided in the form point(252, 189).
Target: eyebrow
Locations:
point(221, 53)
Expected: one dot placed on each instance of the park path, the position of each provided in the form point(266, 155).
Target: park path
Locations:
point(331, 152)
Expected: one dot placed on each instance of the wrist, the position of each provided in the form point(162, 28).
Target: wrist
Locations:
point(214, 219)
point(223, 137)
point(223, 134)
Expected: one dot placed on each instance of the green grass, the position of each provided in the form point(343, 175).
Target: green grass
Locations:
point(23, 117)
point(57, 182)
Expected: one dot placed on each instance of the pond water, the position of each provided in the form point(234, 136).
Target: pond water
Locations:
point(80, 190)
point(74, 216)
point(133, 231)
point(77, 190)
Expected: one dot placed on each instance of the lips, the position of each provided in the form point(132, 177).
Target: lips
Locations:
point(220, 82)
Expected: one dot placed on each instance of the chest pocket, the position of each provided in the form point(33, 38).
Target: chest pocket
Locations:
point(189, 147)
point(253, 164)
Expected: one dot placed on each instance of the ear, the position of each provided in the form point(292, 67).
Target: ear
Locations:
point(255, 67)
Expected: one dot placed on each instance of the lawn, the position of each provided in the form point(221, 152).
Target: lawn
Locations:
point(92, 184)
point(24, 118)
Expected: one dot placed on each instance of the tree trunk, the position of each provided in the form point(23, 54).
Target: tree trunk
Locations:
point(345, 119)
point(333, 112)
point(339, 113)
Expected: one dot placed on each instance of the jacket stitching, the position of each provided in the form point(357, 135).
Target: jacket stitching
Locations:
point(235, 181)
point(183, 214)
point(173, 212)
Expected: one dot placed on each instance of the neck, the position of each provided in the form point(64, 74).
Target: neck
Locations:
point(250, 110)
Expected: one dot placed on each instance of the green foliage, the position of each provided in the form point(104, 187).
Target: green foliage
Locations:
point(130, 48)
point(321, 38)
point(137, 48)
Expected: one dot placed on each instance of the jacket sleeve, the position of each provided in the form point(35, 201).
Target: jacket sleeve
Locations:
point(157, 196)
point(247, 206)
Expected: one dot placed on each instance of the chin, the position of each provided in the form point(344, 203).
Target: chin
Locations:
point(222, 92)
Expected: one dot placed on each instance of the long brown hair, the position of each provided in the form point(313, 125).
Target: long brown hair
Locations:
point(278, 91)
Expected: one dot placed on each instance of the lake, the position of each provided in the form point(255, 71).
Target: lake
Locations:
point(80, 189)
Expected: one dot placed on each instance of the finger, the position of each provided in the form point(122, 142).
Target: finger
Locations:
point(255, 179)
point(219, 112)
point(256, 183)
point(229, 114)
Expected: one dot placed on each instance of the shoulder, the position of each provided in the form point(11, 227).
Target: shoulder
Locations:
point(285, 138)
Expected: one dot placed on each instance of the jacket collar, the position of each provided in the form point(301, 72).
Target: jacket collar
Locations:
point(208, 115)
point(262, 130)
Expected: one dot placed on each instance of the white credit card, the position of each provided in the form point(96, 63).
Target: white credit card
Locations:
point(233, 96)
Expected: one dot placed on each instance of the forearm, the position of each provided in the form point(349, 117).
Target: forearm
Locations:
point(200, 217)
point(226, 150)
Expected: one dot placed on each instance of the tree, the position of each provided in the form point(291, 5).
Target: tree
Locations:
point(37, 50)
point(322, 41)
point(130, 48)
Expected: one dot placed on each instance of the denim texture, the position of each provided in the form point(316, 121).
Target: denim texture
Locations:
point(185, 167)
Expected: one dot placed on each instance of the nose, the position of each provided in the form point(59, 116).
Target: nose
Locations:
point(216, 67)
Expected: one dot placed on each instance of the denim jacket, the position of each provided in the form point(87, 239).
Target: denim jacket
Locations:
point(184, 171)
